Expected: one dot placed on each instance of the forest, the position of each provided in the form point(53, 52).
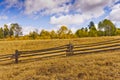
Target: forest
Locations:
point(105, 28)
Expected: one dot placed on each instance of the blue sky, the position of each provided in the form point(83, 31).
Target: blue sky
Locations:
point(51, 14)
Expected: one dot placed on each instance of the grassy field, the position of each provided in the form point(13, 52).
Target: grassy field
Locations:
point(8, 47)
point(95, 66)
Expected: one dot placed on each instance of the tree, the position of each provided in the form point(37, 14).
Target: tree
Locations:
point(17, 29)
point(62, 32)
point(33, 35)
point(107, 27)
point(6, 31)
point(45, 34)
point(70, 34)
point(101, 29)
point(79, 33)
point(83, 32)
point(11, 31)
point(53, 34)
point(91, 24)
point(92, 30)
point(1, 33)
point(118, 31)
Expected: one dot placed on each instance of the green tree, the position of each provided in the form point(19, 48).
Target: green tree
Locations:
point(118, 31)
point(101, 29)
point(11, 31)
point(6, 31)
point(53, 34)
point(91, 24)
point(62, 32)
point(83, 32)
point(92, 30)
point(107, 27)
point(33, 35)
point(17, 29)
point(45, 34)
point(70, 34)
point(1, 33)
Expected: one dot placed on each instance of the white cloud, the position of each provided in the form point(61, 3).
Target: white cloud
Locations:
point(87, 5)
point(57, 10)
point(45, 6)
point(12, 3)
point(3, 17)
point(116, 1)
point(73, 29)
point(114, 14)
point(88, 9)
point(66, 14)
point(69, 19)
point(94, 8)
point(28, 29)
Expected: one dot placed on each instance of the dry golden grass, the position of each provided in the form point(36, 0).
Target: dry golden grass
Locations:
point(95, 66)
point(8, 47)
point(101, 66)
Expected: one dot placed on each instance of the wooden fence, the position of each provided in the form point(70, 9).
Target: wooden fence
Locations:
point(64, 50)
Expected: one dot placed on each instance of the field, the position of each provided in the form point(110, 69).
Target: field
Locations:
point(95, 66)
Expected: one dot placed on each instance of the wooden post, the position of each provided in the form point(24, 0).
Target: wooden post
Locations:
point(69, 51)
point(16, 56)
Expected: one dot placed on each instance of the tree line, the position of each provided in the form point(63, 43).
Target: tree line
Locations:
point(105, 28)
point(13, 31)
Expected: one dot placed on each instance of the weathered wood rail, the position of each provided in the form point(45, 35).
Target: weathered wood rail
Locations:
point(64, 50)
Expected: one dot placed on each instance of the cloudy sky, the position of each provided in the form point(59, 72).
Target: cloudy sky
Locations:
point(50, 14)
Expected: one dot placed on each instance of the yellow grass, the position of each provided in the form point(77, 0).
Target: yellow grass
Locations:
point(95, 66)
point(8, 47)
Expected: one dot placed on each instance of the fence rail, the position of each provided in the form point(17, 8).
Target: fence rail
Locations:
point(63, 50)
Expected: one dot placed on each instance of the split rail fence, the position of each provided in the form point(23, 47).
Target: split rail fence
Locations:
point(64, 50)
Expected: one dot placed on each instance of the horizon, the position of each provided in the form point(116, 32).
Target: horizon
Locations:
point(51, 14)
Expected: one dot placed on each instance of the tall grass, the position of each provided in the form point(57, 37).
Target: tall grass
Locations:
point(101, 66)
point(95, 66)
point(8, 47)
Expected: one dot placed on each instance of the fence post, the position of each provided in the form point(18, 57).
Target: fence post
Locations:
point(69, 51)
point(16, 56)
